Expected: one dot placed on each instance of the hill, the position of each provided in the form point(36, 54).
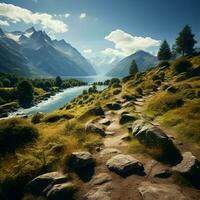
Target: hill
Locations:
point(143, 59)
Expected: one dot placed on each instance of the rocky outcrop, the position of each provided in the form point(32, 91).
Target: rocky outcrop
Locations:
point(113, 106)
point(125, 118)
point(53, 186)
point(189, 168)
point(152, 191)
point(61, 191)
point(153, 137)
point(40, 184)
point(91, 127)
point(80, 160)
point(125, 165)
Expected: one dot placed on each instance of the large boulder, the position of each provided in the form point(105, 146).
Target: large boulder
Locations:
point(113, 106)
point(91, 127)
point(125, 118)
point(152, 191)
point(189, 168)
point(153, 137)
point(41, 183)
point(125, 165)
point(80, 160)
point(61, 191)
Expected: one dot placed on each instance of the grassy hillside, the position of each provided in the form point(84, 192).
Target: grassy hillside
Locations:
point(174, 103)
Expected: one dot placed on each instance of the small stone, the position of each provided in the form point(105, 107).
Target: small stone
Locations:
point(125, 165)
point(152, 191)
point(79, 160)
point(101, 179)
point(61, 191)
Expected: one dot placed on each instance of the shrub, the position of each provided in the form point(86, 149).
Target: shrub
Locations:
point(116, 91)
point(15, 133)
point(115, 81)
point(163, 102)
point(37, 118)
point(155, 77)
point(163, 64)
point(51, 118)
point(182, 65)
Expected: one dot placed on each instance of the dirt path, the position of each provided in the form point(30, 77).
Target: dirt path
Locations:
point(119, 187)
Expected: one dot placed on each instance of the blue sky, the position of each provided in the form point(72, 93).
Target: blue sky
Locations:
point(107, 29)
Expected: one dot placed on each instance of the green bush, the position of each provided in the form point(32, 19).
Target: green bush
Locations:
point(52, 118)
point(37, 118)
point(182, 65)
point(163, 64)
point(15, 133)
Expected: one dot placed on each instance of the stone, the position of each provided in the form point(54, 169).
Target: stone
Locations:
point(126, 118)
point(152, 191)
point(189, 167)
point(163, 173)
point(95, 129)
point(96, 111)
point(61, 191)
point(103, 192)
point(125, 165)
point(80, 160)
point(105, 121)
point(153, 137)
point(101, 179)
point(39, 184)
point(113, 106)
point(109, 151)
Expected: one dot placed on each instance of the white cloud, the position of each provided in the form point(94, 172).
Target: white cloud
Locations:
point(83, 15)
point(18, 14)
point(67, 15)
point(126, 44)
point(88, 51)
point(4, 23)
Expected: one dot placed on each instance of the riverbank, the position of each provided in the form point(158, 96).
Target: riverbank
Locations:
point(53, 102)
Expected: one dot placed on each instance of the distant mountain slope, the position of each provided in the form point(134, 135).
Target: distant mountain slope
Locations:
point(143, 59)
point(38, 54)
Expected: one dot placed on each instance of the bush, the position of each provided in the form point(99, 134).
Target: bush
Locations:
point(114, 81)
point(15, 133)
point(52, 118)
point(163, 102)
point(37, 118)
point(163, 64)
point(155, 77)
point(182, 65)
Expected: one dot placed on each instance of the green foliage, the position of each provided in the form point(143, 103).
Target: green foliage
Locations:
point(163, 64)
point(58, 81)
point(163, 102)
point(37, 118)
point(25, 93)
point(181, 65)
point(133, 69)
point(114, 81)
point(15, 133)
point(164, 52)
point(185, 41)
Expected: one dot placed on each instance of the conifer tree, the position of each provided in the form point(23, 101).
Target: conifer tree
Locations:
point(164, 52)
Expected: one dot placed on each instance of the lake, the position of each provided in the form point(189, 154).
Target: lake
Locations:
point(54, 102)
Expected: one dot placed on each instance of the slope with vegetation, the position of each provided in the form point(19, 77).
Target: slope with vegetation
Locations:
point(161, 103)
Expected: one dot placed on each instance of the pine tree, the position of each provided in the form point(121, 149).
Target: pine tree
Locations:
point(164, 52)
point(133, 68)
point(58, 81)
point(185, 41)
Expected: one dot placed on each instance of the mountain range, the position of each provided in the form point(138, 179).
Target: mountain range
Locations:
point(34, 53)
point(143, 59)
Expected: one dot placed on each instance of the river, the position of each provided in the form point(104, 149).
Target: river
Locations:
point(54, 102)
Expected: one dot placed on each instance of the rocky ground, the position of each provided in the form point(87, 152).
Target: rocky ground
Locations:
point(113, 173)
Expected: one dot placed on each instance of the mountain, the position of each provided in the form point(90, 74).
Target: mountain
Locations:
point(38, 54)
point(143, 59)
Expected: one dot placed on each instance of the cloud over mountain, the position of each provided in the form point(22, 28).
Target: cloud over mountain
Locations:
point(126, 44)
point(19, 14)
